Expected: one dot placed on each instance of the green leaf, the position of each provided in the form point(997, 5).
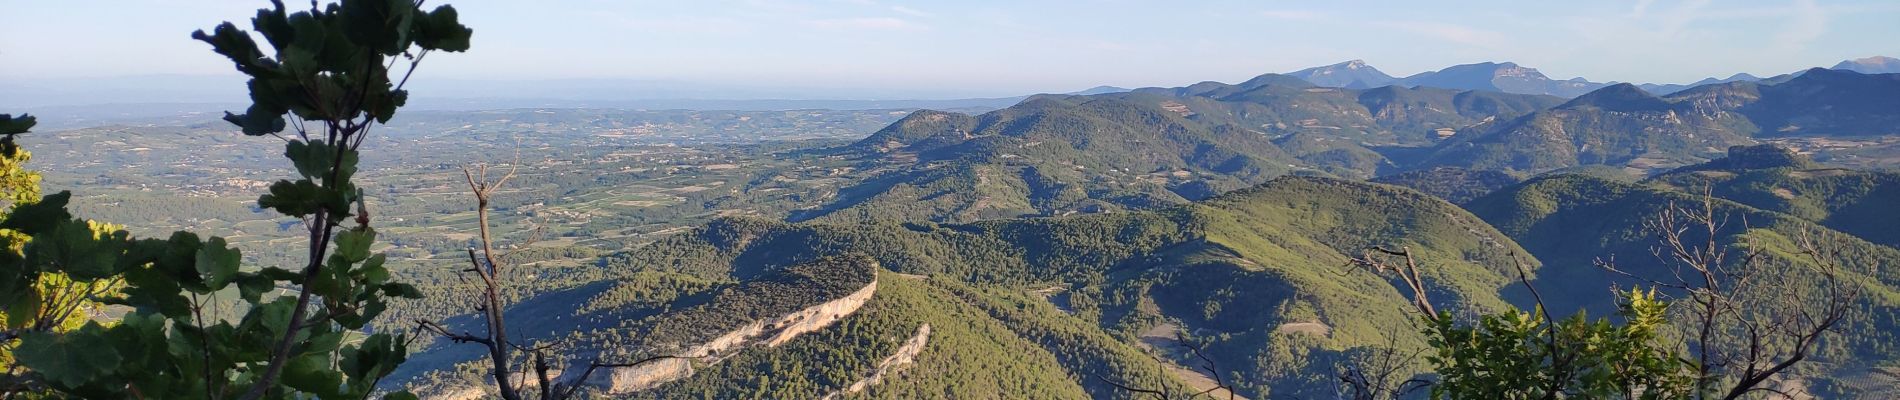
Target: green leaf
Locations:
point(301, 55)
point(69, 359)
point(273, 24)
point(175, 258)
point(24, 308)
point(236, 45)
point(272, 317)
point(252, 287)
point(333, 281)
point(217, 264)
point(298, 199)
point(148, 289)
point(353, 245)
point(74, 248)
point(371, 23)
point(441, 30)
point(10, 125)
point(345, 169)
point(312, 374)
point(402, 290)
point(256, 124)
point(370, 308)
point(278, 274)
point(311, 159)
point(372, 271)
point(376, 356)
point(325, 342)
point(404, 395)
point(32, 219)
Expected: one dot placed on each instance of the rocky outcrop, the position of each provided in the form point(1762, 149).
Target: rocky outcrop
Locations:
point(769, 332)
point(760, 333)
point(904, 355)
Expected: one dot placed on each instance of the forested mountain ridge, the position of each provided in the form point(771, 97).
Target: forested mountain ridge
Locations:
point(1871, 65)
point(1505, 77)
point(1151, 147)
point(1776, 179)
point(1353, 74)
point(1622, 125)
point(1255, 278)
point(1056, 154)
point(1456, 185)
point(1617, 125)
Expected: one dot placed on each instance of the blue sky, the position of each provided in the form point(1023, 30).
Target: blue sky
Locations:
point(1009, 47)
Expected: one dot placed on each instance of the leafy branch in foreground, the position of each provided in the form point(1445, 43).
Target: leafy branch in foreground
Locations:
point(53, 302)
point(1527, 355)
point(1747, 324)
point(1751, 323)
point(329, 72)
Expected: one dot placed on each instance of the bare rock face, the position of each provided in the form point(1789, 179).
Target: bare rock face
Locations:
point(904, 355)
point(1765, 156)
point(760, 333)
point(644, 376)
point(767, 312)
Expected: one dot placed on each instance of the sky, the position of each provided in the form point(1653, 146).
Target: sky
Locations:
point(1003, 47)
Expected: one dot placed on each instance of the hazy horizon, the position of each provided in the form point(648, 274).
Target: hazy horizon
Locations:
point(865, 49)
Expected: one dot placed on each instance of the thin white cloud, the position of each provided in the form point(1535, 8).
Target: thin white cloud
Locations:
point(911, 11)
point(1806, 23)
point(687, 25)
point(866, 23)
point(1292, 15)
point(1676, 20)
point(1454, 33)
point(1642, 7)
point(1107, 45)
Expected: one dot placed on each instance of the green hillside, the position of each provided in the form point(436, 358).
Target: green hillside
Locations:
point(1618, 125)
point(666, 309)
point(1054, 155)
point(1827, 102)
point(1456, 185)
point(1622, 125)
point(1855, 202)
point(1256, 277)
point(981, 344)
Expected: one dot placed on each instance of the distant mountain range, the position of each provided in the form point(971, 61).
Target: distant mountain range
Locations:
point(1497, 77)
point(1668, 88)
point(1502, 77)
point(1510, 77)
point(128, 98)
point(1622, 125)
point(1059, 154)
point(1353, 74)
point(1148, 147)
point(1871, 65)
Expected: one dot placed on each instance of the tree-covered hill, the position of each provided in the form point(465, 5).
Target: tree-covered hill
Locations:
point(1774, 178)
point(1256, 278)
point(1618, 125)
point(1827, 102)
point(1622, 125)
point(1456, 185)
point(1056, 154)
point(1053, 154)
point(1504, 77)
